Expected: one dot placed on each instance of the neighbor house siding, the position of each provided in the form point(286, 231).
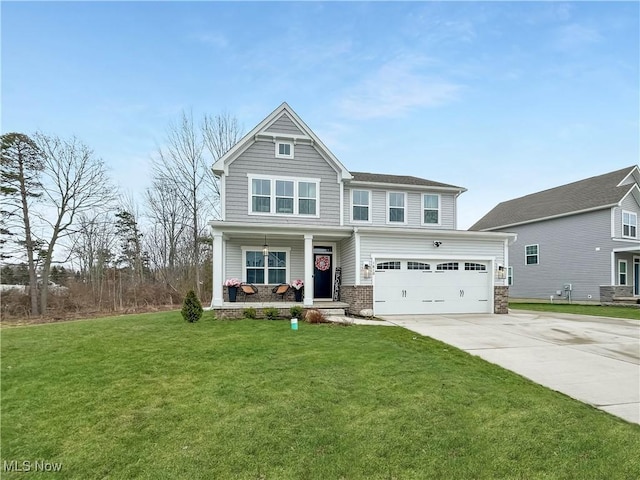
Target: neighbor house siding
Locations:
point(284, 125)
point(413, 208)
point(629, 204)
point(259, 159)
point(421, 247)
point(575, 250)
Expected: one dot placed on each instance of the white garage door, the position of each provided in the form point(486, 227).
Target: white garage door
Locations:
point(431, 287)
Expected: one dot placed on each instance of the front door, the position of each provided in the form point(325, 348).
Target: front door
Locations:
point(322, 272)
point(636, 275)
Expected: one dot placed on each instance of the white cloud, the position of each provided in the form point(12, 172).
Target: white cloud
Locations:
point(214, 39)
point(395, 88)
point(574, 36)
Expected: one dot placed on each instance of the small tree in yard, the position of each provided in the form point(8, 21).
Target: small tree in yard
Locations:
point(191, 308)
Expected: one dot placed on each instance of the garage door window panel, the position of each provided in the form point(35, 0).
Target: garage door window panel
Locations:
point(448, 266)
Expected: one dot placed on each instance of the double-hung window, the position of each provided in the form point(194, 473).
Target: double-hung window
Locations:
point(396, 202)
point(283, 196)
point(431, 209)
point(629, 224)
point(274, 271)
point(361, 205)
point(531, 254)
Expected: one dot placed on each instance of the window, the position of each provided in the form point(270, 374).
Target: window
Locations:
point(396, 203)
point(531, 254)
point(418, 266)
point(307, 198)
point(448, 266)
point(622, 272)
point(478, 267)
point(260, 195)
point(629, 224)
point(274, 272)
point(284, 150)
point(431, 209)
point(361, 205)
point(388, 266)
point(509, 276)
point(284, 196)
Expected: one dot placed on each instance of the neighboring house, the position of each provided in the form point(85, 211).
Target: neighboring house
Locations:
point(579, 240)
point(381, 242)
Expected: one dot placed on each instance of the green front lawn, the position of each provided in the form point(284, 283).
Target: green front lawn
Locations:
point(595, 310)
point(150, 396)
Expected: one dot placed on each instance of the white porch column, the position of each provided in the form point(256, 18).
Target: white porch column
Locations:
point(216, 298)
point(308, 270)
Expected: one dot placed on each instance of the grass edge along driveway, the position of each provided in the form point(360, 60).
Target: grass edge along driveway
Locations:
point(149, 396)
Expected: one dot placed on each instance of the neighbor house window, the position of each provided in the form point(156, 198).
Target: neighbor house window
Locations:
point(431, 209)
point(260, 195)
point(396, 203)
point(510, 276)
point(622, 272)
point(273, 272)
point(283, 196)
point(284, 150)
point(629, 224)
point(307, 196)
point(531, 254)
point(361, 205)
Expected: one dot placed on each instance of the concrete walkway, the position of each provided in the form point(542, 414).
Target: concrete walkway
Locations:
point(593, 359)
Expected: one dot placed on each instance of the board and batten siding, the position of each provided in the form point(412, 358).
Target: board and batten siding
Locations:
point(575, 250)
point(284, 125)
point(629, 204)
point(421, 247)
point(260, 159)
point(413, 209)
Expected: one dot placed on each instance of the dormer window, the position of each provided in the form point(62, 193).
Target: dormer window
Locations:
point(284, 150)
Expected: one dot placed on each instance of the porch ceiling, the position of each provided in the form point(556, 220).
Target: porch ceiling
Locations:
point(293, 232)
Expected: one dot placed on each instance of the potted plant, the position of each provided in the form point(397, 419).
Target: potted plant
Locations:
point(232, 285)
point(297, 286)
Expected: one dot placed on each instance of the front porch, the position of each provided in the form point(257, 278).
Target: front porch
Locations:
point(236, 309)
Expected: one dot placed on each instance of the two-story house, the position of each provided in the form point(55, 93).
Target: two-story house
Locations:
point(387, 243)
point(578, 241)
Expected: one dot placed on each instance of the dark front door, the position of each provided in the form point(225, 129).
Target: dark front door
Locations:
point(322, 281)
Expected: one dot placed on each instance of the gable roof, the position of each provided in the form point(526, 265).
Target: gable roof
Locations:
point(221, 165)
point(594, 193)
point(366, 177)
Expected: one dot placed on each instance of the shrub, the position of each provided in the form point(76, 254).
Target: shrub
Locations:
point(315, 316)
point(271, 313)
point(296, 311)
point(249, 312)
point(191, 308)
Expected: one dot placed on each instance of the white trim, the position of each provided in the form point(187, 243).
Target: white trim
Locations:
point(334, 262)
point(357, 253)
point(341, 187)
point(537, 254)
point(626, 273)
point(423, 208)
point(634, 169)
point(272, 195)
point(247, 248)
point(613, 268)
point(369, 206)
point(631, 214)
point(406, 210)
point(284, 155)
point(362, 185)
point(223, 198)
point(636, 287)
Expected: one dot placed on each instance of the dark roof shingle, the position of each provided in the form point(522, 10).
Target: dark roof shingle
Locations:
point(399, 180)
point(587, 194)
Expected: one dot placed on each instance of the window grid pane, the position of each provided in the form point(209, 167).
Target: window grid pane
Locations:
point(396, 215)
point(361, 213)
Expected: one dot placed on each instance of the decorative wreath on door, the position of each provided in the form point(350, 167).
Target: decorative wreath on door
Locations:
point(323, 263)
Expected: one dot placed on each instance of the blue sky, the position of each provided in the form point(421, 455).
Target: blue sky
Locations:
point(503, 98)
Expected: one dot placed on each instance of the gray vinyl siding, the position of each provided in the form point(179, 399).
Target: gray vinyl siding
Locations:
point(348, 250)
point(284, 125)
point(260, 159)
point(629, 204)
point(413, 208)
point(420, 247)
point(575, 250)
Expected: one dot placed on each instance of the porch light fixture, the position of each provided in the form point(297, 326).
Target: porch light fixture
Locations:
point(265, 248)
point(366, 270)
point(501, 273)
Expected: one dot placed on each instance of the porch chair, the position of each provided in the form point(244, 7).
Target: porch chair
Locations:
point(248, 289)
point(281, 290)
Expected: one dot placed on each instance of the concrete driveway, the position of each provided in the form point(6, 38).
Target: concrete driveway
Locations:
point(593, 359)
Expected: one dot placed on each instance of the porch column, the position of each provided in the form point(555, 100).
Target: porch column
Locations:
point(216, 298)
point(308, 270)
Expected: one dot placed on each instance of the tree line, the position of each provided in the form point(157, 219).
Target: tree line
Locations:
point(61, 210)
